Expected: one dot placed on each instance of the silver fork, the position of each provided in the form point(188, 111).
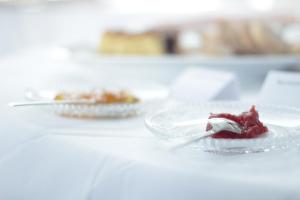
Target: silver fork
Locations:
point(218, 124)
point(50, 102)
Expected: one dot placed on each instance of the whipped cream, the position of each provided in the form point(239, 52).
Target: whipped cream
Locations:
point(222, 124)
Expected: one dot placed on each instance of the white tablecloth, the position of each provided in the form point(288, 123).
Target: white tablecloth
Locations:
point(123, 161)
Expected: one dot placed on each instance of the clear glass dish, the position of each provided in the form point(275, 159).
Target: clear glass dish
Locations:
point(182, 121)
point(150, 96)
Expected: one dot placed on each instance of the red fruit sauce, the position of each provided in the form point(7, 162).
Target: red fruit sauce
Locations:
point(249, 121)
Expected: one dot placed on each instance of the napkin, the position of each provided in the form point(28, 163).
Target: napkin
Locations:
point(281, 88)
point(197, 85)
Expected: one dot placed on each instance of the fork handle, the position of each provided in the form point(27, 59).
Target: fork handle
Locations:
point(46, 103)
point(182, 143)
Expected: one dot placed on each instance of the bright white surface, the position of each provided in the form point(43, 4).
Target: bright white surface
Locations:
point(188, 87)
point(281, 88)
point(37, 164)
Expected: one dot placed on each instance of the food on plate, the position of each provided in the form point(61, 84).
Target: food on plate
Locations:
point(99, 96)
point(212, 36)
point(242, 37)
point(145, 43)
point(249, 122)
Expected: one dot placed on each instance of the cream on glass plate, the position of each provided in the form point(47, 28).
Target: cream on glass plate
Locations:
point(180, 122)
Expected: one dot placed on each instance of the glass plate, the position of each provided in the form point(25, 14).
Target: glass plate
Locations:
point(150, 95)
point(181, 121)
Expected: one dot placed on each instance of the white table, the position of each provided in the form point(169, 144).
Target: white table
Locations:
point(124, 161)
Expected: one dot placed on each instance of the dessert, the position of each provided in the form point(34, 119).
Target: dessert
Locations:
point(212, 36)
point(99, 96)
point(146, 43)
point(242, 37)
point(249, 122)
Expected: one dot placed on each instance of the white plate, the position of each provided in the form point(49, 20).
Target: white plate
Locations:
point(150, 95)
point(86, 53)
point(175, 123)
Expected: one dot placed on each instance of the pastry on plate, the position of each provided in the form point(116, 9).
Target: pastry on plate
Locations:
point(99, 96)
point(240, 37)
point(145, 43)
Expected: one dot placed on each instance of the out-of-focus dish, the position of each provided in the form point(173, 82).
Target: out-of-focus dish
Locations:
point(147, 43)
point(241, 37)
point(98, 96)
point(196, 43)
point(88, 54)
point(218, 37)
point(100, 103)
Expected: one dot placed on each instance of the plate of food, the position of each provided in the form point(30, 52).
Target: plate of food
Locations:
point(97, 102)
point(226, 127)
point(265, 43)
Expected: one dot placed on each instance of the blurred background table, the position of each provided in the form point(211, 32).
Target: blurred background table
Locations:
point(38, 22)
